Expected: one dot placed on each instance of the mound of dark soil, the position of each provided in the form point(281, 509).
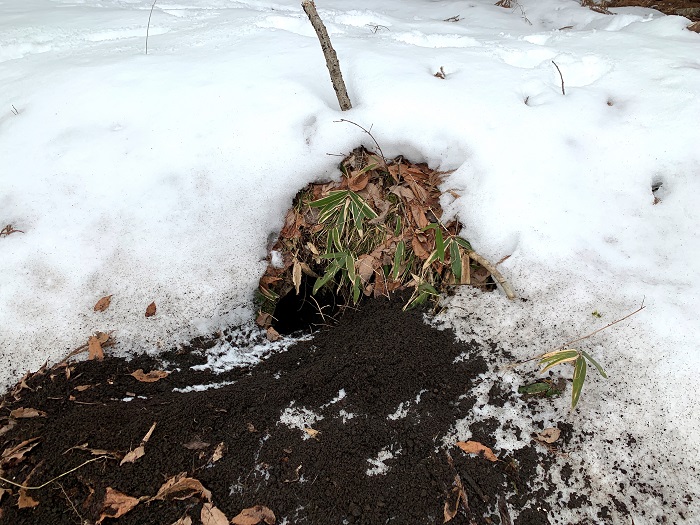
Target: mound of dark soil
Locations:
point(372, 399)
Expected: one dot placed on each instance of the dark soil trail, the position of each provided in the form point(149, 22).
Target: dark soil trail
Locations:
point(385, 389)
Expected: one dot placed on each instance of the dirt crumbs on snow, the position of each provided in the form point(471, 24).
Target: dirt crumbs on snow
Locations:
point(352, 426)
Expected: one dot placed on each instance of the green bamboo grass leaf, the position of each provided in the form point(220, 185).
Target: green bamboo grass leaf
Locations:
point(397, 230)
point(367, 168)
point(334, 240)
point(455, 261)
point(365, 209)
point(579, 378)
point(333, 199)
point(464, 243)
point(330, 273)
point(427, 288)
point(334, 255)
point(439, 245)
point(556, 358)
point(534, 388)
point(350, 266)
point(595, 363)
point(356, 291)
point(431, 258)
point(398, 259)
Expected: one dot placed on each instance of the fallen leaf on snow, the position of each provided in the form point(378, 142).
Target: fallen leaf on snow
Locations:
point(181, 487)
point(212, 516)
point(219, 452)
point(102, 337)
point(140, 450)
point(255, 515)
point(103, 304)
point(116, 504)
point(476, 448)
point(151, 310)
point(95, 349)
point(23, 413)
point(272, 334)
point(549, 435)
point(150, 377)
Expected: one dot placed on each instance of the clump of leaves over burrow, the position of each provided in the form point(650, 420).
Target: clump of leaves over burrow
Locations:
point(378, 230)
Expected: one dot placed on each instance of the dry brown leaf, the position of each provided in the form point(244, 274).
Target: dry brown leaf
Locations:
point(151, 310)
point(476, 448)
point(24, 413)
point(140, 450)
point(14, 455)
point(116, 504)
point(181, 487)
point(421, 252)
point(358, 182)
point(102, 304)
point(9, 426)
point(456, 496)
point(695, 26)
point(312, 433)
point(219, 452)
point(102, 337)
point(272, 334)
point(365, 267)
point(419, 215)
point(296, 276)
point(196, 444)
point(150, 377)
point(263, 319)
point(549, 435)
point(95, 451)
point(250, 427)
point(185, 520)
point(403, 191)
point(25, 500)
point(254, 516)
point(210, 515)
point(82, 388)
point(95, 349)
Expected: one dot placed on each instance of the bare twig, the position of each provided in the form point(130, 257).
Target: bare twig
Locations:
point(330, 55)
point(14, 110)
point(24, 487)
point(9, 230)
point(376, 27)
point(148, 28)
point(82, 520)
point(498, 277)
point(455, 18)
point(560, 76)
point(369, 132)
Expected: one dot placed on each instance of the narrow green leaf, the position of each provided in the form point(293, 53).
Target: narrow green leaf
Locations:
point(356, 292)
point(332, 199)
point(579, 378)
point(350, 265)
point(334, 255)
point(595, 363)
point(398, 228)
point(439, 245)
point(365, 209)
point(367, 168)
point(455, 261)
point(398, 259)
point(431, 258)
point(534, 388)
point(464, 243)
point(334, 238)
point(557, 358)
point(330, 273)
point(427, 288)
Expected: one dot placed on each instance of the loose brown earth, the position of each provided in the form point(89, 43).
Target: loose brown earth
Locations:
point(378, 355)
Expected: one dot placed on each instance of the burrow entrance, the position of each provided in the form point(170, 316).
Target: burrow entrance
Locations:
point(378, 230)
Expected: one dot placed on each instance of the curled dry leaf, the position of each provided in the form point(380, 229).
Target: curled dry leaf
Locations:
point(476, 448)
point(140, 450)
point(116, 504)
point(151, 310)
point(254, 516)
point(456, 496)
point(24, 413)
point(210, 515)
point(219, 452)
point(150, 377)
point(272, 334)
point(102, 304)
point(14, 455)
point(312, 433)
point(185, 520)
point(82, 388)
point(549, 435)
point(95, 349)
point(181, 487)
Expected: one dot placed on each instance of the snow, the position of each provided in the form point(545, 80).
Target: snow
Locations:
point(164, 177)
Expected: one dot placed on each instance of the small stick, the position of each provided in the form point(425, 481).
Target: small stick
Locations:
point(149, 23)
point(510, 294)
point(24, 487)
point(369, 132)
point(560, 76)
point(329, 53)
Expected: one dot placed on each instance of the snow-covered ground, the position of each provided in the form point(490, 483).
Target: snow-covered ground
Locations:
point(163, 177)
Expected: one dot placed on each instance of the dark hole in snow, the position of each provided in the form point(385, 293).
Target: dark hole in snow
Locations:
point(305, 312)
